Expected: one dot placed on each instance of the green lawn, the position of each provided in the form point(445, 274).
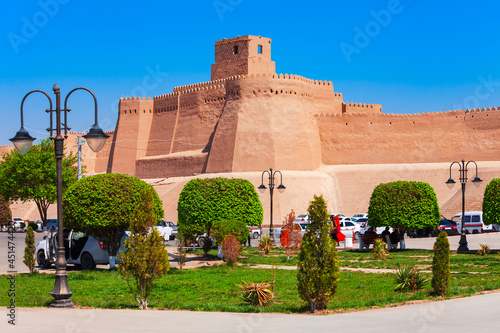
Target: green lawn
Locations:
point(215, 288)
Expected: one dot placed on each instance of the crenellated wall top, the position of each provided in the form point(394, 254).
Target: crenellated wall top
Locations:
point(406, 115)
point(220, 84)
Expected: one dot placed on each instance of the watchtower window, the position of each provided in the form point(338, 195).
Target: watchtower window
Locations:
point(259, 49)
point(235, 49)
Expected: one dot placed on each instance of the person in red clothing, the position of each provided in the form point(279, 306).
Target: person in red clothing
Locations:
point(337, 235)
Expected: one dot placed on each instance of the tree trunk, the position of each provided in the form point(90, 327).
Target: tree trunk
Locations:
point(112, 262)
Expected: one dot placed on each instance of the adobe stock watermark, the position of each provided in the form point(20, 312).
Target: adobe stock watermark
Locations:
point(419, 320)
point(223, 6)
point(484, 90)
point(363, 37)
point(150, 81)
point(30, 26)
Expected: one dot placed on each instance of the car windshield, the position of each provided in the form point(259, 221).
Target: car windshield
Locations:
point(304, 225)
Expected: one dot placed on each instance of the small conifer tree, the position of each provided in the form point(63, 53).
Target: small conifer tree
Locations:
point(145, 258)
point(318, 268)
point(29, 250)
point(441, 264)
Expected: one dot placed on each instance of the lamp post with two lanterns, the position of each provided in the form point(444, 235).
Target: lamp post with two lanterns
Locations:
point(463, 180)
point(271, 175)
point(22, 141)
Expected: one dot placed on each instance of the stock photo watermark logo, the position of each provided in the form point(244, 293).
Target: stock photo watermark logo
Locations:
point(363, 37)
point(30, 27)
point(223, 6)
point(150, 81)
point(483, 91)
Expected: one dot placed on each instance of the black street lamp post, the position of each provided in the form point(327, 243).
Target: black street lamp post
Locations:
point(96, 139)
point(463, 180)
point(281, 188)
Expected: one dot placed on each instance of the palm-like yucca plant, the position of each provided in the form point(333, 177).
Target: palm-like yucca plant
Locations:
point(408, 278)
point(484, 250)
point(266, 244)
point(379, 249)
point(257, 294)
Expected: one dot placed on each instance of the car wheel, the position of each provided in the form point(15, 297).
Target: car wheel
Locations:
point(201, 241)
point(255, 235)
point(42, 262)
point(475, 231)
point(87, 261)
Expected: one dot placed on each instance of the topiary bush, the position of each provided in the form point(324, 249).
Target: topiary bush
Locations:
point(318, 268)
point(33, 226)
point(404, 205)
point(491, 202)
point(105, 205)
point(441, 264)
point(204, 201)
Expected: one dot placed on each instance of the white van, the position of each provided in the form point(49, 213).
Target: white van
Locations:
point(473, 222)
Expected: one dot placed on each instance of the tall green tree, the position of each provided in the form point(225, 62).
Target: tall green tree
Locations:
point(491, 202)
point(404, 205)
point(318, 270)
point(5, 212)
point(203, 201)
point(104, 206)
point(33, 176)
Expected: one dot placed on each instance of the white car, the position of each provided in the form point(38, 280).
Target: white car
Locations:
point(358, 216)
point(16, 223)
point(302, 218)
point(254, 231)
point(166, 230)
point(81, 250)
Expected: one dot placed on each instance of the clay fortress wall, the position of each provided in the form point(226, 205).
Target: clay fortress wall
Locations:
point(248, 119)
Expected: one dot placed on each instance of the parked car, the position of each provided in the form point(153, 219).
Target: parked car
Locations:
point(302, 218)
point(349, 227)
point(254, 231)
point(362, 222)
point(18, 223)
point(303, 226)
point(167, 229)
point(51, 225)
point(446, 225)
point(358, 216)
point(81, 250)
point(473, 222)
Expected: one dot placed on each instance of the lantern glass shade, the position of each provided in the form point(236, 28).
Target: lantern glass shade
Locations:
point(262, 188)
point(281, 188)
point(22, 141)
point(96, 138)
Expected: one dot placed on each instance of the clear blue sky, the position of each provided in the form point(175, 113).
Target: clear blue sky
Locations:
point(410, 56)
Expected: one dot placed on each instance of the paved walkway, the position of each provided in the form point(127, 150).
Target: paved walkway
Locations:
point(472, 314)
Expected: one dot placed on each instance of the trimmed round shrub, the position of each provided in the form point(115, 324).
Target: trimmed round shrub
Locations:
point(106, 205)
point(5, 212)
point(491, 202)
point(204, 201)
point(33, 226)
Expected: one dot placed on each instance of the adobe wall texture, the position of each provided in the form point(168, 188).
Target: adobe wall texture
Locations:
point(417, 138)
